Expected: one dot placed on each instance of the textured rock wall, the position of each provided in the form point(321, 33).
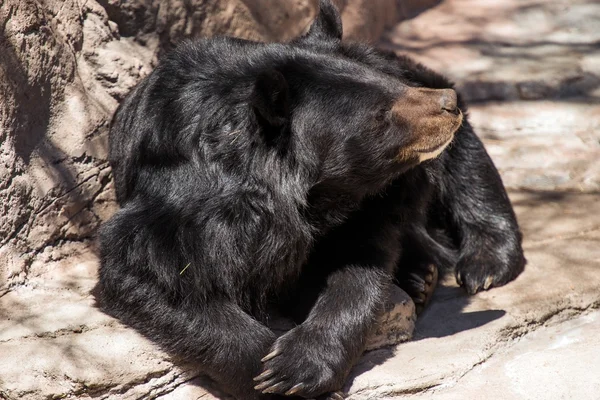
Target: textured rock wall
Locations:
point(65, 65)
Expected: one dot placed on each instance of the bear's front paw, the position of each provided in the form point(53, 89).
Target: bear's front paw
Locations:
point(478, 272)
point(304, 363)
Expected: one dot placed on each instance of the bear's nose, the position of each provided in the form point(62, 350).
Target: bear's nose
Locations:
point(448, 100)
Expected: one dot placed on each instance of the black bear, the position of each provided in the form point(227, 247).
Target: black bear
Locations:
point(295, 179)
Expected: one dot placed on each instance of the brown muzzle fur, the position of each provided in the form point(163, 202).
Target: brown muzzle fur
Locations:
point(431, 116)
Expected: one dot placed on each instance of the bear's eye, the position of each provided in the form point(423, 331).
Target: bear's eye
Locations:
point(382, 114)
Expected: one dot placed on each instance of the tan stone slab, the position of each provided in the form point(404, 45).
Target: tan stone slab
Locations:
point(26, 312)
point(195, 390)
point(557, 362)
point(578, 117)
point(57, 297)
point(546, 216)
point(76, 270)
point(509, 49)
point(543, 145)
point(422, 363)
point(98, 361)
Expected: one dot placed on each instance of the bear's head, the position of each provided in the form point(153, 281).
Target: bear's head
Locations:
point(226, 114)
point(362, 125)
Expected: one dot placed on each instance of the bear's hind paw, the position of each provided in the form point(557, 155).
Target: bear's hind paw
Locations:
point(420, 285)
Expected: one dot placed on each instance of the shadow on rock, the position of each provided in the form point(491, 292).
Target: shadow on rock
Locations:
point(445, 315)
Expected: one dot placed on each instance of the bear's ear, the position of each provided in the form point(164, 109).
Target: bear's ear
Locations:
point(270, 99)
point(327, 27)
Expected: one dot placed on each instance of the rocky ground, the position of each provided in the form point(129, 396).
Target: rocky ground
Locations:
point(531, 70)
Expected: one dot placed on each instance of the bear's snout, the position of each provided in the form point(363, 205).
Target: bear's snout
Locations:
point(429, 118)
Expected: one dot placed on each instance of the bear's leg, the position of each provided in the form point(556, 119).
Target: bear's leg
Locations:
point(478, 215)
point(316, 356)
point(225, 342)
point(471, 200)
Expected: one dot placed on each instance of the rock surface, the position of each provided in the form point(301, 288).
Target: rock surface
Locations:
point(509, 49)
point(528, 66)
point(554, 362)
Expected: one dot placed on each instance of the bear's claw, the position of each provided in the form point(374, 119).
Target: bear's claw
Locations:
point(335, 396)
point(295, 389)
point(265, 375)
point(263, 386)
point(277, 388)
point(271, 355)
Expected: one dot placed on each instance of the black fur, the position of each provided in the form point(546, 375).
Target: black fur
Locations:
point(260, 179)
